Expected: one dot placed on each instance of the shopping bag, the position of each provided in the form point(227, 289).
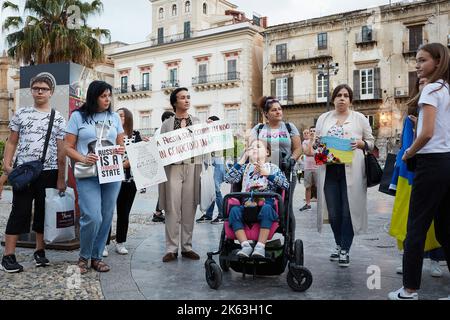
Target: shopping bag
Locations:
point(387, 174)
point(207, 188)
point(59, 223)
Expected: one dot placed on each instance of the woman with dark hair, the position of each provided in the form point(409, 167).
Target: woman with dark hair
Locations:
point(180, 195)
point(342, 188)
point(94, 124)
point(128, 188)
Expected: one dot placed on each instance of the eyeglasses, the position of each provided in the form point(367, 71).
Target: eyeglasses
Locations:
point(39, 89)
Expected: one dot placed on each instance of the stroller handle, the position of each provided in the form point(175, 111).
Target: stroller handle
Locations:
point(253, 194)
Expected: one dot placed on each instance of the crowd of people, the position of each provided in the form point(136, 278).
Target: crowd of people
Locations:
point(341, 187)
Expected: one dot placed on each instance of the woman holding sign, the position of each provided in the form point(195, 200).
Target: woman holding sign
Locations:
point(92, 126)
point(342, 188)
point(180, 195)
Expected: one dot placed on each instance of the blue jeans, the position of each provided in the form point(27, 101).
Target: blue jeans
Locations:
point(266, 217)
point(335, 190)
point(219, 172)
point(97, 203)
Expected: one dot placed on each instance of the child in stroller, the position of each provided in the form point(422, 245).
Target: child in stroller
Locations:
point(257, 176)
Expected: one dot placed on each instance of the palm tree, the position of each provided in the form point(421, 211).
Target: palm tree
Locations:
point(47, 37)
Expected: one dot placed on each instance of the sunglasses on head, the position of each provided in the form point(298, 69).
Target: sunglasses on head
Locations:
point(270, 102)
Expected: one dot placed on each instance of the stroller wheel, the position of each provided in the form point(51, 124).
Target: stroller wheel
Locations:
point(299, 279)
point(213, 275)
point(224, 264)
point(298, 252)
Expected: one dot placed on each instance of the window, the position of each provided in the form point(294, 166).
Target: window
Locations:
point(366, 34)
point(174, 10)
point(367, 83)
point(281, 52)
point(322, 40)
point(232, 69)
point(187, 29)
point(322, 88)
point(371, 121)
point(202, 115)
point(160, 35)
point(173, 77)
point(415, 38)
point(231, 117)
point(144, 120)
point(124, 84)
point(161, 13)
point(202, 73)
point(205, 8)
point(187, 7)
point(282, 89)
point(146, 81)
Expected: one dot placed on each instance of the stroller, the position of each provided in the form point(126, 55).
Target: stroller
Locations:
point(278, 254)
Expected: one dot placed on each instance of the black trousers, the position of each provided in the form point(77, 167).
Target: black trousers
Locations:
point(124, 203)
point(430, 199)
point(20, 218)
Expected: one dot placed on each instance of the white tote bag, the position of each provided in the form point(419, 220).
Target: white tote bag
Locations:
point(208, 190)
point(59, 223)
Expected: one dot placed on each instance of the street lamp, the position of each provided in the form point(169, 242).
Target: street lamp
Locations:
point(324, 71)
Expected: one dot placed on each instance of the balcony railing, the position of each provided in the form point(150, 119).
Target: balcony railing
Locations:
point(299, 55)
point(133, 88)
point(216, 78)
point(170, 39)
point(169, 84)
point(362, 39)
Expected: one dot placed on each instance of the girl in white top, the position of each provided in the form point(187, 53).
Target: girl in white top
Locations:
point(430, 196)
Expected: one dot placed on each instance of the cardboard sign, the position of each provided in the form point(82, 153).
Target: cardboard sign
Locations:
point(109, 165)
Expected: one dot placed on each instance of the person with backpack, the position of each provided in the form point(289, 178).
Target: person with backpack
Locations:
point(37, 132)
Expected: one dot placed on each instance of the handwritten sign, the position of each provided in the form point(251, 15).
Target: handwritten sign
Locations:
point(109, 164)
point(146, 165)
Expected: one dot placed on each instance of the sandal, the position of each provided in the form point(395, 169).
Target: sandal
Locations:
point(83, 265)
point(99, 266)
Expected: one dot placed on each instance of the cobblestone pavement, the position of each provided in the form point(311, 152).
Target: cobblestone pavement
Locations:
point(142, 275)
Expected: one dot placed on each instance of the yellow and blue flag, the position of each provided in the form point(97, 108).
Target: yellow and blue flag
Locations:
point(340, 148)
point(402, 181)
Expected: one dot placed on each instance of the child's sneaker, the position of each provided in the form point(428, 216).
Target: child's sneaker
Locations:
point(40, 259)
point(402, 294)
point(245, 251)
point(344, 259)
point(335, 254)
point(259, 251)
point(10, 265)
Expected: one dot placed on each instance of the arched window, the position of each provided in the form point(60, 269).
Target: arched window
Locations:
point(161, 13)
point(174, 10)
point(205, 8)
point(187, 7)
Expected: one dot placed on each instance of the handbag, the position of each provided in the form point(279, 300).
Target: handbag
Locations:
point(22, 176)
point(83, 170)
point(374, 172)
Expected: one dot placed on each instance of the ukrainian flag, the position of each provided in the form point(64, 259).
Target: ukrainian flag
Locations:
point(402, 181)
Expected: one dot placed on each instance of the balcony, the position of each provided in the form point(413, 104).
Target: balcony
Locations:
point(216, 81)
point(312, 55)
point(303, 101)
point(169, 85)
point(366, 40)
point(133, 92)
point(401, 92)
point(171, 39)
point(410, 50)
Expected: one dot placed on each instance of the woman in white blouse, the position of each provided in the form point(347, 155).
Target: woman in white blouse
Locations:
point(342, 188)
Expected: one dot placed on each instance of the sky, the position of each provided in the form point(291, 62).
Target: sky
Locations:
point(130, 21)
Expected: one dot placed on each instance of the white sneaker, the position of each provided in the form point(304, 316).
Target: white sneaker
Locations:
point(435, 270)
point(245, 251)
point(105, 252)
point(401, 294)
point(447, 298)
point(120, 248)
point(335, 254)
point(259, 251)
point(399, 270)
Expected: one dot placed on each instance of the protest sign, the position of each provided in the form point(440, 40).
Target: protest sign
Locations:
point(146, 166)
point(109, 164)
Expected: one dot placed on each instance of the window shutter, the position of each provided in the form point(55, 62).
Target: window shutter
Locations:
point(412, 78)
point(356, 85)
point(377, 83)
point(290, 90)
point(273, 87)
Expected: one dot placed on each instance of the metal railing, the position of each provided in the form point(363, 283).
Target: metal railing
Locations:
point(170, 84)
point(306, 54)
point(216, 78)
point(133, 88)
point(172, 38)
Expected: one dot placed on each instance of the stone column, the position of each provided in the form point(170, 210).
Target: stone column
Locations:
point(4, 98)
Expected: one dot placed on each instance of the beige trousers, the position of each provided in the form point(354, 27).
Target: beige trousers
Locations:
point(180, 208)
